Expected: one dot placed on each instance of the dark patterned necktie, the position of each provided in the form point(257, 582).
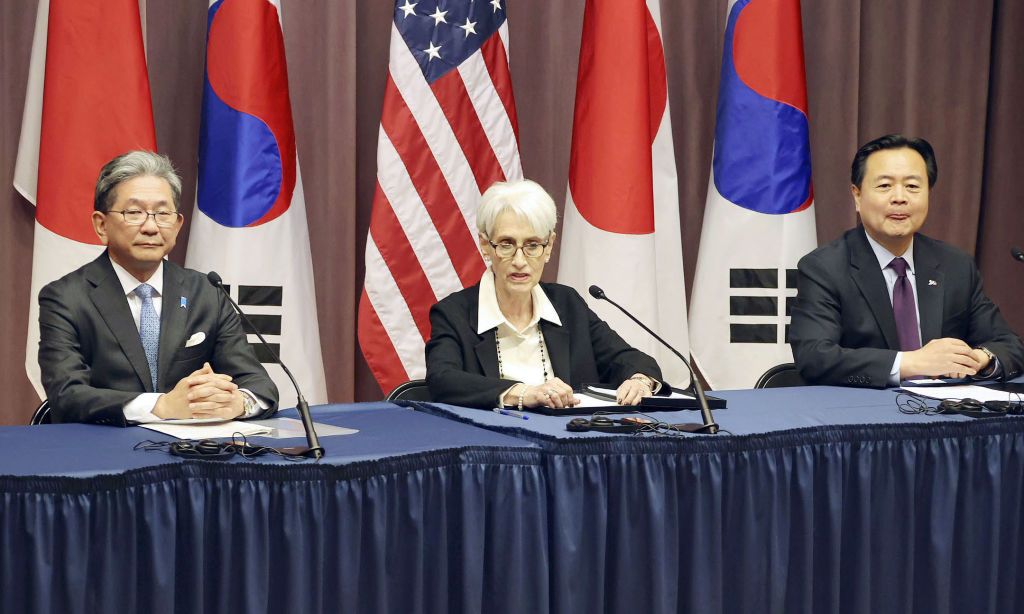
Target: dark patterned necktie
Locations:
point(903, 308)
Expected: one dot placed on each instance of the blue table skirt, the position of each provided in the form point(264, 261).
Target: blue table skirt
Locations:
point(909, 514)
point(422, 514)
point(456, 529)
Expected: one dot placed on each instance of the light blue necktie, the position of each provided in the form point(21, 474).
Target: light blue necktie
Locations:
point(149, 328)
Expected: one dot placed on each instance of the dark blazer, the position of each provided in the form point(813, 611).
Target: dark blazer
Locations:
point(91, 357)
point(462, 366)
point(843, 331)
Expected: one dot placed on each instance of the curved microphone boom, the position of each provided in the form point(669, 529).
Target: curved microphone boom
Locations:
point(315, 449)
point(698, 391)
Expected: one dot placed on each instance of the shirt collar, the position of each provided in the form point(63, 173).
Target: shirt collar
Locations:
point(884, 256)
point(489, 315)
point(129, 282)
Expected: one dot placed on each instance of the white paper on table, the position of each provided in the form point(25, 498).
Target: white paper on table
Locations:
point(597, 402)
point(288, 428)
point(219, 430)
point(589, 402)
point(926, 382)
point(962, 392)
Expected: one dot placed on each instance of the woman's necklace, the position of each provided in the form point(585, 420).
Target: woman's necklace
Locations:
point(543, 358)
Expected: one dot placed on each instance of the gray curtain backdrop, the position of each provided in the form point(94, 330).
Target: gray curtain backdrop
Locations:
point(947, 70)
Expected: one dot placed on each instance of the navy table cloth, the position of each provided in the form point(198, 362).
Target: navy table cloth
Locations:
point(822, 499)
point(412, 514)
point(816, 500)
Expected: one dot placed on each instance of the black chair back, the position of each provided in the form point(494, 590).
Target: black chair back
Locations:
point(413, 390)
point(781, 376)
point(42, 414)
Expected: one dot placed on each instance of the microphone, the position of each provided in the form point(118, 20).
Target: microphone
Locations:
point(698, 390)
point(315, 449)
point(1017, 254)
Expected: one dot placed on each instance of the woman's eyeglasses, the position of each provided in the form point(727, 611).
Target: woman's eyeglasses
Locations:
point(506, 250)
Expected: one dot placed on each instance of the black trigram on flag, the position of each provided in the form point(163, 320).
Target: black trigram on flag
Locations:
point(265, 299)
point(755, 296)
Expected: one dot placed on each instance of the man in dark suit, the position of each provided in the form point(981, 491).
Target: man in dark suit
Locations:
point(131, 337)
point(883, 303)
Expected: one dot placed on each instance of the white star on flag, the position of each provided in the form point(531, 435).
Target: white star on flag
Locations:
point(409, 8)
point(433, 52)
point(469, 27)
point(496, 4)
point(438, 16)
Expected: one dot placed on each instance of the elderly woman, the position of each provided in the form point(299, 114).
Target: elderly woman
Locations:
point(513, 341)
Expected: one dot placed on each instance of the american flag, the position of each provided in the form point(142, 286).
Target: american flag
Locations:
point(448, 130)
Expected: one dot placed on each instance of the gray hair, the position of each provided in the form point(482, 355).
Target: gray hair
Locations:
point(524, 198)
point(130, 165)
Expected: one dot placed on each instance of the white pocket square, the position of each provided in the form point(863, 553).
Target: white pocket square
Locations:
point(195, 339)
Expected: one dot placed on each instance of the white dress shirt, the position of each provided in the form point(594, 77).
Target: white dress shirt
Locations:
point(520, 349)
point(140, 409)
point(884, 257)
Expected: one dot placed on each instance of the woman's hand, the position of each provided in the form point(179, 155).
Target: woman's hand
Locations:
point(632, 390)
point(552, 393)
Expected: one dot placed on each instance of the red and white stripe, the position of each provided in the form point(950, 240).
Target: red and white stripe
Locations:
point(440, 146)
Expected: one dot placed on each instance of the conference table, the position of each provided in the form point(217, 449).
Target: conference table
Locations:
point(410, 514)
point(813, 499)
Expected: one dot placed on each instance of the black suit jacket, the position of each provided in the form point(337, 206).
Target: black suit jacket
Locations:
point(843, 331)
point(91, 357)
point(462, 366)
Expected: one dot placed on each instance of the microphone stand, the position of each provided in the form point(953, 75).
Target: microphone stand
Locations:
point(314, 448)
point(709, 426)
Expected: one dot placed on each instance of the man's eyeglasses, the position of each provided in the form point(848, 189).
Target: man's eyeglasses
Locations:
point(506, 250)
point(138, 217)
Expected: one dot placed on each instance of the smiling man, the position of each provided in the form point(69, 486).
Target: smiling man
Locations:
point(132, 337)
point(883, 302)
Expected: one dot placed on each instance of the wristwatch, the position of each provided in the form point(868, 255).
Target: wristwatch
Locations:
point(988, 370)
point(250, 406)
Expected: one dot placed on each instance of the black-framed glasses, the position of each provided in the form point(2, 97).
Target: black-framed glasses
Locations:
point(138, 217)
point(506, 250)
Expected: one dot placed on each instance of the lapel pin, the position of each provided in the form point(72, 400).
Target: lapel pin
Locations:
point(184, 302)
point(932, 282)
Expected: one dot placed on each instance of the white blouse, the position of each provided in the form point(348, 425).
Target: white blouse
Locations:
point(521, 350)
